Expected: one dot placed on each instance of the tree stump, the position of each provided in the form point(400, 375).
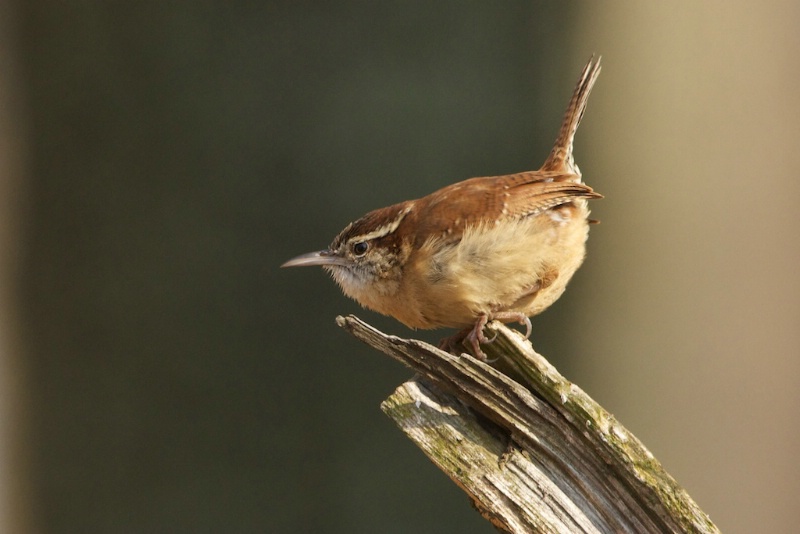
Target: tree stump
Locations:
point(532, 450)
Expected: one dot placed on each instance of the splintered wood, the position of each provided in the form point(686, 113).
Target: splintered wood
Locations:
point(533, 452)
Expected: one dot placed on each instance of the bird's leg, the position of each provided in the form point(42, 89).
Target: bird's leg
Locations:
point(475, 337)
point(519, 317)
point(472, 334)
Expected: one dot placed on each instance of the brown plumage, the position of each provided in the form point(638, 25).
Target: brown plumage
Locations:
point(500, 247)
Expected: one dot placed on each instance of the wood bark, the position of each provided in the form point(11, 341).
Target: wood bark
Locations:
point(532, 450)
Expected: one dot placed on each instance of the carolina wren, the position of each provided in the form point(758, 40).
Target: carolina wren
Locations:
point(499, 247)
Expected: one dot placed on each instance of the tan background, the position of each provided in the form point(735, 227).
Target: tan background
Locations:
point(697, 291)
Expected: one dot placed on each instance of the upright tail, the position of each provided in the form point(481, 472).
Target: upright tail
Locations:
point(560, 158)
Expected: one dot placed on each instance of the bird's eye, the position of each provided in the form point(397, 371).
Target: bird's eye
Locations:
point(360, 248)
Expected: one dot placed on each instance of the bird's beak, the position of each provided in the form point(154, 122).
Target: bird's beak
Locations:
point(322, 257)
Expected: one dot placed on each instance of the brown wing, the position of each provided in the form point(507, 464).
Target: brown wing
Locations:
point(484, 200)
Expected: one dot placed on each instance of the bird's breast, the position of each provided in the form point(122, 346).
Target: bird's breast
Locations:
point(503, 265)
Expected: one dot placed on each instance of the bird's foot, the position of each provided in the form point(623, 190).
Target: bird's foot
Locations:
point(519, 317)
point(475, 337)
point(474, 334)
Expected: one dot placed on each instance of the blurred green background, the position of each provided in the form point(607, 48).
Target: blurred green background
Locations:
point(159, 160)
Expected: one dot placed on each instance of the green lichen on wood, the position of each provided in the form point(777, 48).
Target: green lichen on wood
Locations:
point(579, 470)
point(623, 447)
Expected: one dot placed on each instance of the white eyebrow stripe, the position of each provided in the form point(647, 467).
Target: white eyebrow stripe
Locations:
point(384, 230)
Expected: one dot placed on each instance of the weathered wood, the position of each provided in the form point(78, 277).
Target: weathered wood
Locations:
point(538, 457)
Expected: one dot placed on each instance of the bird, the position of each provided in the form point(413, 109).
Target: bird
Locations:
point(488, 248)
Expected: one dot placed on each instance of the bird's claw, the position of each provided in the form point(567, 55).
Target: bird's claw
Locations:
point(475, 337)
